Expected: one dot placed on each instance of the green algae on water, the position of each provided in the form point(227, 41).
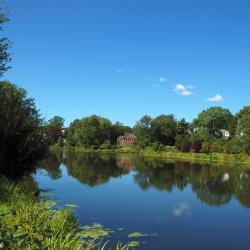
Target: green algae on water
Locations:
point(95, 231)
point(134, 244)
point(71, 205)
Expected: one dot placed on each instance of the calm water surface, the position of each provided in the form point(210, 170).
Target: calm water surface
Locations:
point(190, 206)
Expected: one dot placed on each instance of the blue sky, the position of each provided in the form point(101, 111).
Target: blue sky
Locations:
point(125, 58)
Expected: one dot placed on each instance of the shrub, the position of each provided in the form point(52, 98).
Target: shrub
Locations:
point(105, 146)
point(232, 147)
point(206, 147)
point(186, 146)
point(157, 146)
point(217, 146)
point(197, 146)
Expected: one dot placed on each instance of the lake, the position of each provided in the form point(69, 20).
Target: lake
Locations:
point(176, 205)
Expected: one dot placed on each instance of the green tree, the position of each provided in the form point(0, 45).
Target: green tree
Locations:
point(214, 120)
point(4, 42)
point(182, 127)
point(163, 129)
point(242, 112)
point(142, 130)
point(182, 135)
point(55, 130)
point(57, 121)
point(243, 132)
point(22, 134)
point(90, 131)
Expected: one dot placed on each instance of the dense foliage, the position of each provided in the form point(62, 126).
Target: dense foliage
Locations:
point(22, 138)
point(55, 131)
point(94, 131)
point(206, 134)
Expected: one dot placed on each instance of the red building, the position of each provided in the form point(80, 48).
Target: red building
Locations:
point(126, 140)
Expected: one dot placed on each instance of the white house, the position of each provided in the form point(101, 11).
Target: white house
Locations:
point(225, 134)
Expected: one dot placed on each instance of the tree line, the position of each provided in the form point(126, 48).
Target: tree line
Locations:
point(215, 129)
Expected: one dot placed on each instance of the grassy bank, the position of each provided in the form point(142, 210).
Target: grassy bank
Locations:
point(239, 159)
point(27, 222)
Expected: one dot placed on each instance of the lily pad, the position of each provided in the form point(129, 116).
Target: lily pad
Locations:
point(134, 244)
point(95, 231)
point(137, 235)
point(71, 205)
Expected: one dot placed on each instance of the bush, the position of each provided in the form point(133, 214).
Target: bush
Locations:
point(197, 146)
point(232, 147)
point(157, 146)
point(186, 146)
point(105, 146)
point(217, 146)
point(206, 147)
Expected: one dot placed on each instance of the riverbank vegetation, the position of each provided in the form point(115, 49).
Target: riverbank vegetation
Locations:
point(215, 135)
point(215, 130)
point(29, 222)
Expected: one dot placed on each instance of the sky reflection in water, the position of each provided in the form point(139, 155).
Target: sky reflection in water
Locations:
point(190, 206)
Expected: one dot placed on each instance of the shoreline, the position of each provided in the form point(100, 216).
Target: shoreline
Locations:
point(235, 159)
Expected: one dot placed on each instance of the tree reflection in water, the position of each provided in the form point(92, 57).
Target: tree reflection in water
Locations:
point(213, 185)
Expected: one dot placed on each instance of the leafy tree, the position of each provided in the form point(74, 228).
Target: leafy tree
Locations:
point(22, 135)
point(164, 129)
point(90, 131)
point(214, 120)
point(182, 133)
point(142, 130)
point(182, 127)
point(54, 130)
point(4, 42)
point(243, 111)
point(57, 121)
point(243, 132)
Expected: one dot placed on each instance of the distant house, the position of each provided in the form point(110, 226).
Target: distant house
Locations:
point(126, 140)
point(225, 134)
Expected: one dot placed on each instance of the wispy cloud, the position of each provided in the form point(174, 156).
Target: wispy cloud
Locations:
point(182, 208)
point(162, 79)
point(217, 98)
point(184, 90)
point(119, 71)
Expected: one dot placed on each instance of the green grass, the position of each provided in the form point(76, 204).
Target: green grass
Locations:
point(28, 223)
point(213, 158)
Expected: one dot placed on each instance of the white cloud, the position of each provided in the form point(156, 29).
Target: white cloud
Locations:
point(119, 71)
point(183, 208)
point(217, 98)
point(183, 90)
point(162, 79)
point(186, 93)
